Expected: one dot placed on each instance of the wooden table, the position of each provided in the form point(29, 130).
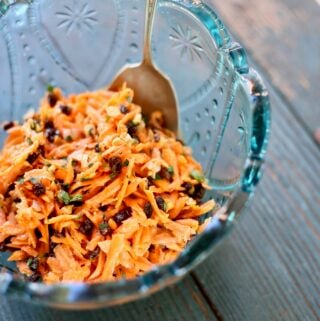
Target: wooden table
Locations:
point(269, 267)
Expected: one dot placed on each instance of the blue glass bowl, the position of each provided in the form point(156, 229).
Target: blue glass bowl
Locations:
point(224, 108)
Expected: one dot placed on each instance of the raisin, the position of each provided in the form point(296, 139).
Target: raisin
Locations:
point(41, 150)
point(8, 125)
point(32, 158)
point(132, 130)
point(93, 254)
point(199, 192)
point(3, 245)
point(86, 227)
point(97, 148)
point(48, 124)
point(164, 173)
point(156, 137)
point(51, 133)
point(52, 99)
point(77, 203)
point(38, 189)
point(122, 215)
point(103, 208)
point(161, 203)
point(37, 233)
point(34, 277)
point(10, 188)
point(188, 187)
point(124, 109)
point(66, 110)
point(150, 181)
point(115, 164)
point(148, 209)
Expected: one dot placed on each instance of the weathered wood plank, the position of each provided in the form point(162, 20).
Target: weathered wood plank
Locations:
point(269, 268)
point(183, 302)
point(283, 37)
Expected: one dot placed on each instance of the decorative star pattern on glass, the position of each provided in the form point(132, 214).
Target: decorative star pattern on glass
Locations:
point(78, 16)
point(186, 42)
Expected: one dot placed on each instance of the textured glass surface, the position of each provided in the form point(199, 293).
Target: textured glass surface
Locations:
point(224, 106)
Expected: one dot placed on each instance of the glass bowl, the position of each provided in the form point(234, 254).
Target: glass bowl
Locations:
point(224, 108)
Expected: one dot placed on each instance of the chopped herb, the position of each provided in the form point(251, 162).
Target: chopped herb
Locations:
point(76, 198)
point(105, 229)
point(108, 118)
point(33, 125)
point(20, 180)
point(158, 177)
point(8, 125)
point(85, 179)
point(33, 263)
point(171, 170)
point(38, 189)
point(69, 139)
point(90, 165)
point(74, 162)
point(91, 132)
point(64, 197)
point(50, 88)
point(195, 174)
point(29, 141)
point(125, 163)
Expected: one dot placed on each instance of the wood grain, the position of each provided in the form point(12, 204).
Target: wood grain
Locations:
point(183, 302)
point(269, 268)
point(283, 38)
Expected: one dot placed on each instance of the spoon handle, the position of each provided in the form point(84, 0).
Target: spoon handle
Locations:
point(150, 13)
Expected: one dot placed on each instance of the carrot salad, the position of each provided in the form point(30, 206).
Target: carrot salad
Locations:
point(92, 191)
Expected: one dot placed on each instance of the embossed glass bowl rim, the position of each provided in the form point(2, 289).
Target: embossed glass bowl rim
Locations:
point(84, 295)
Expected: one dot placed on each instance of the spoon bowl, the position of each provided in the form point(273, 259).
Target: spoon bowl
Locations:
point(152, 89)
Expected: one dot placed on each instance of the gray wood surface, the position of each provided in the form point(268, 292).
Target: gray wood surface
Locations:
point(269, 267)
point(182, 302)
point(283, 38)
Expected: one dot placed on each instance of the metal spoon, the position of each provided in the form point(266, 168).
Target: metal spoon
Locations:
point(152, 89)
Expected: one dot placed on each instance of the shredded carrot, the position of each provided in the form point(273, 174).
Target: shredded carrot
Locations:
point(91, 191)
